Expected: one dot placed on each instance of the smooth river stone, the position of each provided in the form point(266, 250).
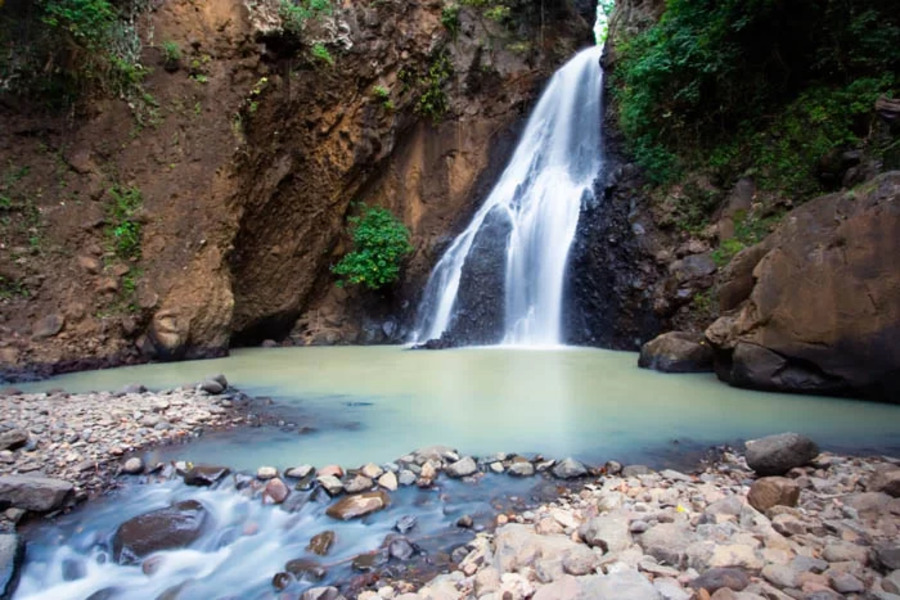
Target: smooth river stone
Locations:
point(321, 543)
point(359, 505)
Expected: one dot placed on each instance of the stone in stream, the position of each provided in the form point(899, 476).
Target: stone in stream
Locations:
point(322, 593)
point(405, 523)
point(301, 472)
point(388, 481)
point(277, 490)
point(13, 439)
point(205, 475)
point(406, 477)
point(462, 468)
point(34, 493)
point(266, 473)
point(321, 543)
point(211, 386)
point(521, 467)
point(401, 549)
point(133, 466)
point(778, 454)
point(282, 580)
point(372, 471)
point(569, 469)
point(12, 555)
point(331, 470)
point(168, 528)
point(359, 505)
point(360, 483)
point(330, 484)
point(306, 569)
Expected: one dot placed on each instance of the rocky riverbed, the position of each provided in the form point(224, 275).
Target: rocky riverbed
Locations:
point(775, 521)
point(58, 448)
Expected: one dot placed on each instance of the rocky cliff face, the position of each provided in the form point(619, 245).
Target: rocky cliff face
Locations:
point(822, 313)
point(248, 158)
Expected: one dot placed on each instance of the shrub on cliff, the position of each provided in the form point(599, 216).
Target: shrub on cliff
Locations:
point(380, 243)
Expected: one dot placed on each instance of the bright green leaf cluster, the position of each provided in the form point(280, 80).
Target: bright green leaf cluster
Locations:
point(123, 229)
point(380, 243)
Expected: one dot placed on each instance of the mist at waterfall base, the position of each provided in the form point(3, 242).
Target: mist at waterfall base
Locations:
point(534, 207)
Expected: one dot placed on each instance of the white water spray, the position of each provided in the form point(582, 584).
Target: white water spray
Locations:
point(541, 191)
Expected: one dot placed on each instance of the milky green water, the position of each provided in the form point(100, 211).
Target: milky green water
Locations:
point(378, 403)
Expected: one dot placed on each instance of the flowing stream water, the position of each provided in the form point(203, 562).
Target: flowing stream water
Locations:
point(352, 405)
point(539, 196)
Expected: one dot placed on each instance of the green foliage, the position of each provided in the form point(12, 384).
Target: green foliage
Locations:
point(61, 51)
point(171, 55)
point(123, 230)
point(320, 52)
point(12, 288)
point(383, 95)
point(433, 102)
point(294, 15)
point(749, 230)
point(380, 243)
point(450, 19)
point(794, 77)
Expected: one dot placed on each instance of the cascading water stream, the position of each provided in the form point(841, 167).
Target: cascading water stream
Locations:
point(540, 195)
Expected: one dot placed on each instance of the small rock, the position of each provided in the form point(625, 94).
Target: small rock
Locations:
point(388, 481)
point(465, 522)
point(34, 493)
point(300, 472)
point(321, 543)
point(359, 505)
point(167, 528)
point(211, 386)
point(372, 471)
point(360, 483)
point(266, 473)
point(133, 466)
point(521, 469)
point(205, 475)
point(405, 524)
point(886, 479)
point(891, 583)
point(401, 549)
point(773, 491)
point(846, 583)
point(277, 490)
point(332, 470)
point(715, 579)
point(889, 556)
point(330, 484)
point(48, 326)
point(13, 439)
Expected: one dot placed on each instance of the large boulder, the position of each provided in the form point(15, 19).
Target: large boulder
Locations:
point(34, 493)
point(677, 352)
point(167, 528)
point(12, 554)
point(822, 315)
point(778, 454)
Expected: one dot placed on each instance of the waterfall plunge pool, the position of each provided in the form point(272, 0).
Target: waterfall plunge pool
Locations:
point(352, 405)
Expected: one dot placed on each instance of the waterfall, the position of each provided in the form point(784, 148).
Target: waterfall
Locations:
point(538, 198)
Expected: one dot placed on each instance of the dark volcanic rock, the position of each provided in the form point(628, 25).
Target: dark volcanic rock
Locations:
point(12, 555)
point(479, 316)
point(677, 352)
point(778, 454)
point(172, 527)
point(34, 493)
point(716, 579)
point(609, 278)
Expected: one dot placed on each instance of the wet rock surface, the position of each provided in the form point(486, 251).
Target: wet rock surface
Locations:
point(176, 526)
point(12, 554)
point(76, 443)
point(677, 352)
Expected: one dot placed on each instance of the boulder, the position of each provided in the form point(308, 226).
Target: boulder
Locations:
point(608, 532)
point(677, 352)
point(359, 505)
point(12, 555)
point(778, 454)
point(773, 491)
point(569, 469)
point(304, 568)
point(462, 468)
point(835, 331)
point(34, 493)
point(668, 543)
point(167, 528)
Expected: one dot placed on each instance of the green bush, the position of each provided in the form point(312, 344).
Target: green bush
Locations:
point(321, 52)
point(433, 102)
point(123, 230)
point(450, 19)
point(380, 243)
point(294, 15)
point(794, 77)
